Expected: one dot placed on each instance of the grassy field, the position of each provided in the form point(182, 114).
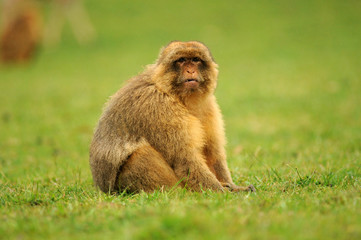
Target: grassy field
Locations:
point(289, 88)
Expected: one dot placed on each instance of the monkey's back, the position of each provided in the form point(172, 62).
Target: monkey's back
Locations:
point(126, 123)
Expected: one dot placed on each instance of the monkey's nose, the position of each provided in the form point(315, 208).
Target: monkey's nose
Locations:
point(190, 71)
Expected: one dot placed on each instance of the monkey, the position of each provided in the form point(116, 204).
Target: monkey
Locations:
point(164, 128)
point(20, 37)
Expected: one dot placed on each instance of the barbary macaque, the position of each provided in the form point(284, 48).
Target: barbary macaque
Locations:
point(164, 128)
point(21, 28)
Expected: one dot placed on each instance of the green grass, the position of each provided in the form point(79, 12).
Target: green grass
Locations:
point(289, 87)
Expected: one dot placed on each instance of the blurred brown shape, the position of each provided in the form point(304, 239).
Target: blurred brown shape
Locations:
point(237, 150)
point(74, 12)
point(21, 26)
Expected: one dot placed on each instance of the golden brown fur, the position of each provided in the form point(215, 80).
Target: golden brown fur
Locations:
point(21, 35)
point(164, 127)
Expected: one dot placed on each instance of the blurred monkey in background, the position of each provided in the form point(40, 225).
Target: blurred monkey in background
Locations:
point(21, 27)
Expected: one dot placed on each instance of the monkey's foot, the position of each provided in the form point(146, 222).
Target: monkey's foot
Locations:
point(235, 188)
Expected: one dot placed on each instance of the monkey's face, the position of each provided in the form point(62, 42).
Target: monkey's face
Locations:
point(189, 76)
point(188, 68)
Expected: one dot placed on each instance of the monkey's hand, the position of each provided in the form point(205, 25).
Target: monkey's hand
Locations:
point(234, 188)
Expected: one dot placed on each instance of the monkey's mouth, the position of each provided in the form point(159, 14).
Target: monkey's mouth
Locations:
point(191, 80)
point(191, 83)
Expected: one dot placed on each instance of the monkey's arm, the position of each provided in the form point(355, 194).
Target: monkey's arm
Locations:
point(214, 149)
point(216, 160)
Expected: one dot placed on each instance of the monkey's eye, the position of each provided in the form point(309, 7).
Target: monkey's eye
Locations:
point(180, 60)
point(195, 59)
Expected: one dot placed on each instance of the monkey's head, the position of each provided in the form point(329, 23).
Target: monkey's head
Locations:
point(186, 68)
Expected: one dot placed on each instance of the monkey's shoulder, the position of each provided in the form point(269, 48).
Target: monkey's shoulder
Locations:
point(139, 92)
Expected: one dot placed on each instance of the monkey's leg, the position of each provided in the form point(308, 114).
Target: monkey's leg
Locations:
point(146, 170)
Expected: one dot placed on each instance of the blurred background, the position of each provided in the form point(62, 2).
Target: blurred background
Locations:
point(289, 82)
